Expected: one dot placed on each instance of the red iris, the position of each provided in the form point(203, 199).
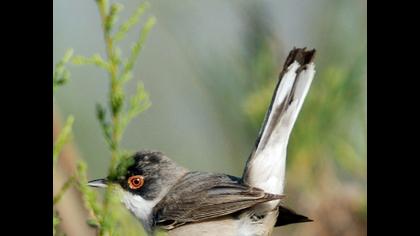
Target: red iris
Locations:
point(135, 182)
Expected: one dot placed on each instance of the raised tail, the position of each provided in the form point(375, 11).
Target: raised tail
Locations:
point(266, 165)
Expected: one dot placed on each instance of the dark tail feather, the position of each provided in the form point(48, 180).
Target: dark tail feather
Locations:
point(287, 216)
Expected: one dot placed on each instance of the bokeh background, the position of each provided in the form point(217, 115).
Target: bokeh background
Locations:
point(210, 68)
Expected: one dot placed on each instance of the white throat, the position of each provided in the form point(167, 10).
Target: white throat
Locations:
point(140, 208)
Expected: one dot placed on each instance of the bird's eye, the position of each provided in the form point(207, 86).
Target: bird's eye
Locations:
point(136, 181)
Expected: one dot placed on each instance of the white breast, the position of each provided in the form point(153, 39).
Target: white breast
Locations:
point(225, 226)
point(228, 226)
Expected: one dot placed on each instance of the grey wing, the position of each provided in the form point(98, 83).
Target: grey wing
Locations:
point(266, 165)
point(200, 196)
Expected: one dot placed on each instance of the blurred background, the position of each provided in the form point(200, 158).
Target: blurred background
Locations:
point(210, 68)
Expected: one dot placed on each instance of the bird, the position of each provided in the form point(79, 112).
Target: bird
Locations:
point(164, 195)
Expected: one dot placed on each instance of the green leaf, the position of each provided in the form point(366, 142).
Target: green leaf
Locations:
point(120, 170)
point(63, 189)
point(62, 139)
point(127, 76)
point(138, 45)
point(139, 102)
point(117, 100)
point(67, 55)
point(92, 223)
point(116, 56)
point(56, 221)
point(95, 59)
point(61, 74)
point(112, 17)
point(89, 195)
point(105, 126)
point(132, 21)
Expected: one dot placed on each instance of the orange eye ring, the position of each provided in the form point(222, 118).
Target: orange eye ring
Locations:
point(135, 182)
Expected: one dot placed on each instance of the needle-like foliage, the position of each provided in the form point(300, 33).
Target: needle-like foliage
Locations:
point(115, 116)
point(60, 76)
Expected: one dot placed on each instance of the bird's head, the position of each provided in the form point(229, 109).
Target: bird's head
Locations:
point(145, 178)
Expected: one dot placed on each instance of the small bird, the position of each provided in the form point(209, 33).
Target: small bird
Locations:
point(165, 195)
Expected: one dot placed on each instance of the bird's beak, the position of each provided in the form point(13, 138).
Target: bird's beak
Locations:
point(98, 183)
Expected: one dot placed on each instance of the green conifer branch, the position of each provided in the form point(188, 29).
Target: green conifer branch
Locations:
point(70, 181)
point(131, 22)
point(116, 115)
point(61, 73)
point(62, 139)
point(60, 76)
